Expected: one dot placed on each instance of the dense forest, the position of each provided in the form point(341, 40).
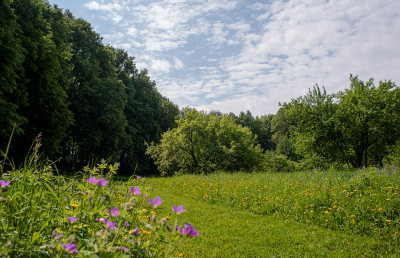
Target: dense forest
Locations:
point(88, 101)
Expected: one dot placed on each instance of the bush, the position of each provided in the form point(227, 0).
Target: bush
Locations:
point(277, 162)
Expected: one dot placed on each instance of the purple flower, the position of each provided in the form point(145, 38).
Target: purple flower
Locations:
point(145, 195)
point(56, 236)
point(4, 183)
point(136, 190)
point(134, 231)
point(188, 231)
point(124, 249)
point(178, 210)
point(102, 182)
point(109, 224)
point(126, 223)
point(72, 219)
point(114, 212)
point(100, 219)
point(157, 201)
point(138, 177)
point(70, 248)
point(92, 180)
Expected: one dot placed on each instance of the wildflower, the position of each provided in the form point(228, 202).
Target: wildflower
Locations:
point(4, 183)
point(157, 202)
point(134, 231)
point(100, 219)
point(178, 210)
point(72, 219)
point(124, 249)
point(138, 177)
point(136, 190)
point(188, 231)
point(109, 224)
point(92, 180)
point(102, 182)
point(56, 236)
point(180, 255)
point(114, 212)
point(126, 224)
point(70, 248)
point(353, 216)
point(73, 205)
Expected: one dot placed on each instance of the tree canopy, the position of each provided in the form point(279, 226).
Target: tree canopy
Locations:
point(203, 143)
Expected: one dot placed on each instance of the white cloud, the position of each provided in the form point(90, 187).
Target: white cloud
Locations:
point(267, 51)
point(160, 65)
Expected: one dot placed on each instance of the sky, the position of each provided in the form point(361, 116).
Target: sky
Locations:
point(239, 55)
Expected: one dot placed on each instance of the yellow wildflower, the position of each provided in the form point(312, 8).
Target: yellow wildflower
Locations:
point(73, 205)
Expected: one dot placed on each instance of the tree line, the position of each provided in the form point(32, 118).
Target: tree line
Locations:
point(354, 128)
point(88, 100)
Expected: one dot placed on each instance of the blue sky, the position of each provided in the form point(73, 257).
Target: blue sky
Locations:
point(238, 55)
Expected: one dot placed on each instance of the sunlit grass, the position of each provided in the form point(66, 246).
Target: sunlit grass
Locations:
point(89, 214)
point(358, 202)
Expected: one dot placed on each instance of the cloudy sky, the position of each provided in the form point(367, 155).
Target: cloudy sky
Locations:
point(238, 55)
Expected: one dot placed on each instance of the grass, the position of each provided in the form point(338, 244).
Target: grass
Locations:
point(316, 213)
point(95, 214)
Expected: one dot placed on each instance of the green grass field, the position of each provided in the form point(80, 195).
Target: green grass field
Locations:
point(95, 214)
point(317, 213)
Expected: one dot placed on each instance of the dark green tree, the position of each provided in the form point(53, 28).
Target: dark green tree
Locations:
point(45, 76)
point(12, 95)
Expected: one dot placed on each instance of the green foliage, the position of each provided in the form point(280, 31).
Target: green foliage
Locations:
point(203, 143)
point(12, 97)
point(40, 212)
point(259, 126)
point(275, 162)
point(354, 126)
point(368, 120)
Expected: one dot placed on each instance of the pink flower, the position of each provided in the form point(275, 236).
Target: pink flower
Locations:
point(92, 180)
point(136, 190)
point(4, 183)
point(157, 202)
point(109, 224)
point(178, 210)
point(70, 248)
point(114, 212)
point(72, 219)
point(102, 182)
point(188, 231)
point(56, 236)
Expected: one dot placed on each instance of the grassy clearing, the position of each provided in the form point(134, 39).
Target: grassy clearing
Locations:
point(229, 232)
point(345, 213)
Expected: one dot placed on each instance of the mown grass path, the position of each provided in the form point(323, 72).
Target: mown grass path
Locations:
point(228, 232)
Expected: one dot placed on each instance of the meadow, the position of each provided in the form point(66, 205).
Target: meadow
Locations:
point(324, 213)
point(95, 213)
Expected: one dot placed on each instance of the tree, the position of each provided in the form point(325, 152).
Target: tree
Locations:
point(368, 118)
point(45, 76)
point(313, 125)
point(12, 95)
point(259, 126)
point(98, 100)
point(202, 143)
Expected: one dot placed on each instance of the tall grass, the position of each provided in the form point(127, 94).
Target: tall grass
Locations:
point(363, 201)
point(90, 214)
